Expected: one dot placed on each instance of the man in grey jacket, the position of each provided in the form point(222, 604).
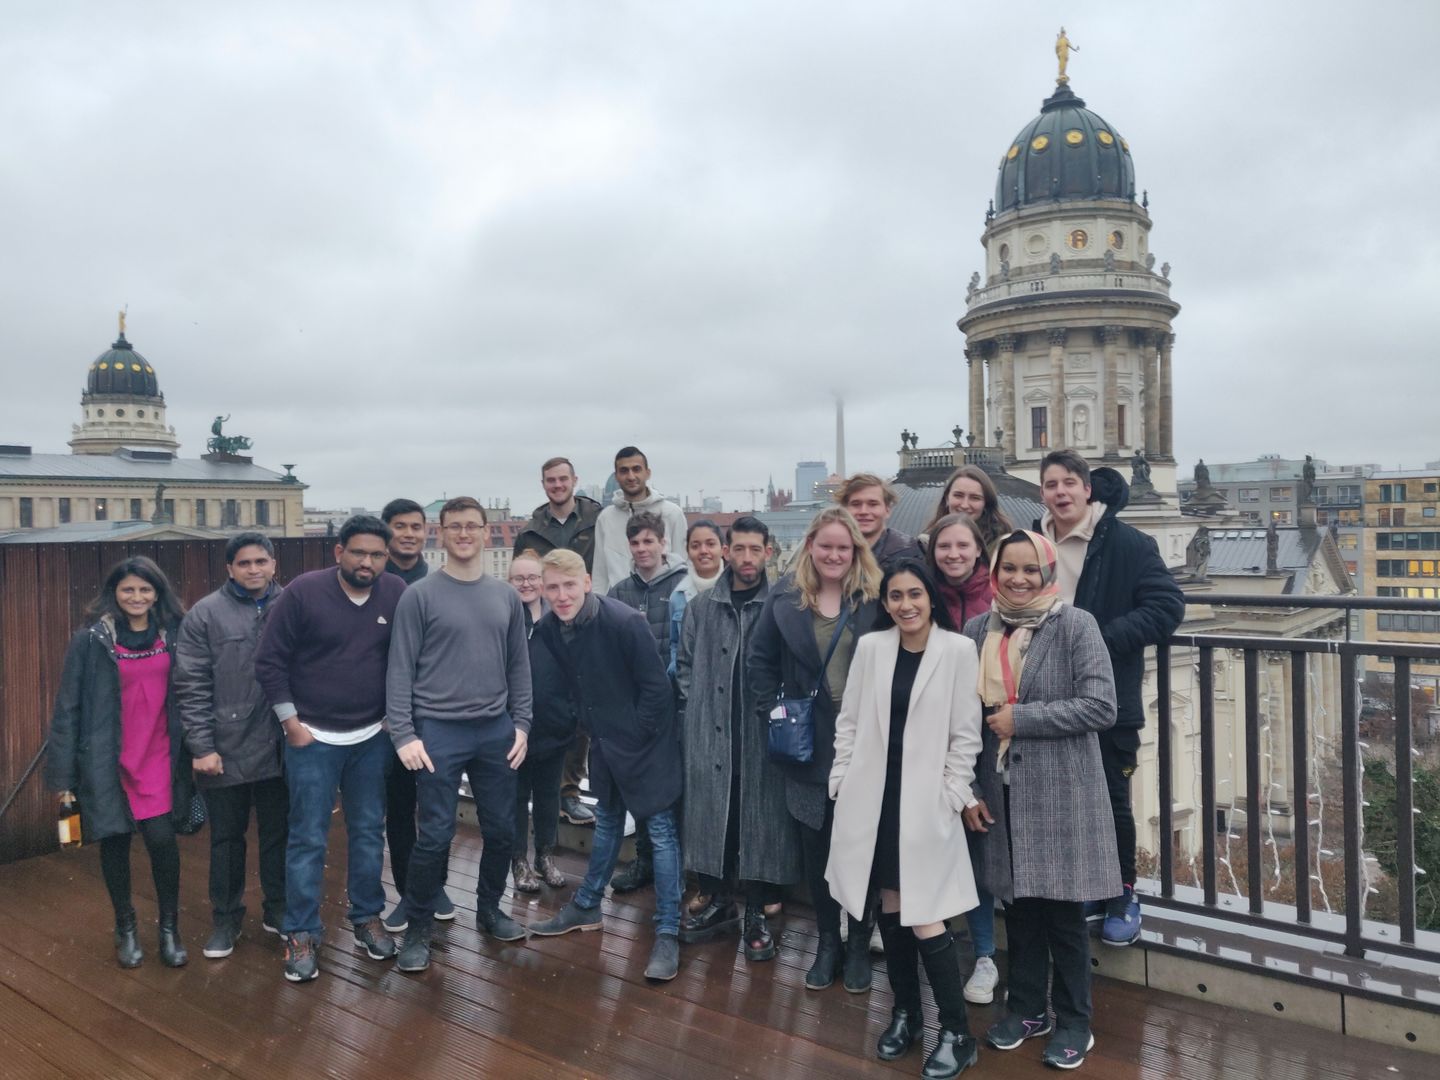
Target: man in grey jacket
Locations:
point(233, 739)
point(612, 548)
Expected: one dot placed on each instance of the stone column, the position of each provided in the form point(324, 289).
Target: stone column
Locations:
point(1110, 339)
point(1058, 433)
point(1008, 393)
point(1149, 341)
point(974, 356)
point(1167, 400)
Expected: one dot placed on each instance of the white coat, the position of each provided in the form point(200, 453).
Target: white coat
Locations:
point(942, 742)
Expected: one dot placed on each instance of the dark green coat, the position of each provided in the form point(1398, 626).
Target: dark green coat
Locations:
point(713, 640)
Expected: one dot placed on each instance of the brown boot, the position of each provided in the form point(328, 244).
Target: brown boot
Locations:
point(525, 879)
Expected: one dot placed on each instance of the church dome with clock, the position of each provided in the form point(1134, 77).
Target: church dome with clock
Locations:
point(1068, 325)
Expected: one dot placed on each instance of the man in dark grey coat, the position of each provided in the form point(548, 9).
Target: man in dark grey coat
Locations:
point(234, 740)
point(729, 776)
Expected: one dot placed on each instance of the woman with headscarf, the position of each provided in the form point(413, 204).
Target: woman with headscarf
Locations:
point(1047, 689)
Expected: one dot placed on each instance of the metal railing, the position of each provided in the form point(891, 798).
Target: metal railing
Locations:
point(1356, 936)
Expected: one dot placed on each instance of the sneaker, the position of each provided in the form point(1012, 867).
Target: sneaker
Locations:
point(1094, 910)
point(1067, 1049)
point(491, 920)
point(221, 942)
point(370, 935)
point(301, 963)
point(444, 907)
point(980, 987)
point(397, 922)
point(1014, 1030)
point(570, 917)
point(414, 954)
point(272, 926)
point(1122, 919)
point(664, 962)
point(573, 810)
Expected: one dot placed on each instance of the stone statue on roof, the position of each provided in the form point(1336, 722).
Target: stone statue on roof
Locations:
point(1307, 481)
point(1197, 554)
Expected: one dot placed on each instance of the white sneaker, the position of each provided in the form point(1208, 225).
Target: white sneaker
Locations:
point(876, 945)
point(980, 987)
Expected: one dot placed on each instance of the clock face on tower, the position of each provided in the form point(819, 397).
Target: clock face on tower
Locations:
point(1078, 239)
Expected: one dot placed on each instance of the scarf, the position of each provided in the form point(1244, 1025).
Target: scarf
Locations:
point(1008, 633)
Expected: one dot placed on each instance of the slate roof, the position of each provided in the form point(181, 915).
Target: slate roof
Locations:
point(82, 532)
point(129, 465)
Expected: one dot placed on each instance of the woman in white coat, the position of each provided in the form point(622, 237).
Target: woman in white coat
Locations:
point(906, 741)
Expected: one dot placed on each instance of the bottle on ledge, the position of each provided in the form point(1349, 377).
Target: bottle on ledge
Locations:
point(67, 826)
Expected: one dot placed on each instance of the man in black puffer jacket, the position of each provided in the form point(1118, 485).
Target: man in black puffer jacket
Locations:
point(1115, 572)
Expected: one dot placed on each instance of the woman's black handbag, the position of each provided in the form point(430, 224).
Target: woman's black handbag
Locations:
point(792, 720)
point(191, 819)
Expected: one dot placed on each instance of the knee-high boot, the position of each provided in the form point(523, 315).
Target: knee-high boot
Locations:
point(902, 965)
point(956, 1050)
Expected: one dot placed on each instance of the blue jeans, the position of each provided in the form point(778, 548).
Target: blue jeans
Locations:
point(664, 833)
point(981, 919)
point(314, 773)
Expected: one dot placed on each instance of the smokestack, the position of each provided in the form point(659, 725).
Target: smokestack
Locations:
point(840, 437)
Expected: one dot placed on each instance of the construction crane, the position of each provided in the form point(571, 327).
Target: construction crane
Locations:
point(752, 492)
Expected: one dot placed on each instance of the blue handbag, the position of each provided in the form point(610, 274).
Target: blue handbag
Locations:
point(792, 720)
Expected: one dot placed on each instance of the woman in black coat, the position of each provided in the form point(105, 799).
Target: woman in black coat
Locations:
point(117, 744)
point(835, 576)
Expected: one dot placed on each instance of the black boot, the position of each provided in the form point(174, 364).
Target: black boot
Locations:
point(637, 875)
point(829, 959)
point(172, 951)
point(956, 1049)
point(902, 965)
point(127, 941)
point(857, 956)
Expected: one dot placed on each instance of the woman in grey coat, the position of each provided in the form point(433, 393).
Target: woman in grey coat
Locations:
point(1047, 688)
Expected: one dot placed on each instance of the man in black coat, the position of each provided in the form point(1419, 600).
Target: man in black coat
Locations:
point(624, 699)
point(1115, 572)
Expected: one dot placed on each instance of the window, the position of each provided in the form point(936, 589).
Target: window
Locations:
point(1039, 425)
point(1322, 517)
point(169, 505)
point(1249, 494)
point(27, 513)
point(231, 518)
point(1392, 492)
point(1349, 517)
point(1428, 511)
point(1280, 517)
point(1348, 541)
point(262, 511)
point(1382, 516)
point(136, 514)
point(102, 510)
point(200, 512)
point(1283, 493)
point(1430, 489)
point(1399, 515)
point(62, 507)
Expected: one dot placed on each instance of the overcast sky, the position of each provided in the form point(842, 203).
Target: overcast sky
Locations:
point(417, 248)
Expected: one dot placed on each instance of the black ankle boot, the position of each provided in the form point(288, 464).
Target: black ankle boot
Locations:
point(172, 951)
point(956, 1050)
point(829, 958)
point(902, 965)
point(127, 942)
point(857, 957)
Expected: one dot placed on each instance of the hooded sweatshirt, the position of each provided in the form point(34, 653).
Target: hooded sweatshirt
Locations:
point(612, 549)
point(1070, 551)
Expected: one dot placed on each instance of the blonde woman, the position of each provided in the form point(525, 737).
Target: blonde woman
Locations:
point(829, 598)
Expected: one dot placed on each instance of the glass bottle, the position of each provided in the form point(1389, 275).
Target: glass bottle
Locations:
point(67, 826)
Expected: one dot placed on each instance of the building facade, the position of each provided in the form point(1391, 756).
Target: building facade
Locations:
point(1402, 559)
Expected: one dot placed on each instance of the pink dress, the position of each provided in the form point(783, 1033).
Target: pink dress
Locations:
point(144, 729)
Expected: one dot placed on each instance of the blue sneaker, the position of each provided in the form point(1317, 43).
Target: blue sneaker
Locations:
point(1122, 919)
point(444, 907)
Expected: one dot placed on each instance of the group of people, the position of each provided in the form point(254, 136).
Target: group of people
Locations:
point(915, 728)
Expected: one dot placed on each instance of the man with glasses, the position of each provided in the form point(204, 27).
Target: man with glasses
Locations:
point(321, 663)
point(458, 702)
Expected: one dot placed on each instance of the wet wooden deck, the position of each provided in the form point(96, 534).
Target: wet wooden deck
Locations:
point(576, 1006)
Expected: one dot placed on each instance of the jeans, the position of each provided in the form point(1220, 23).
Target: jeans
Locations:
point(476, 748)
point(159, 836)
point(980, 919)
point(229, 812)
point(1119, 751)
point(664, 835)
point(537, 798)
point(313, 774)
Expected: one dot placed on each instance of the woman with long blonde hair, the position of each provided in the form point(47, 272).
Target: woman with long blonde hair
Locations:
point(820, 609)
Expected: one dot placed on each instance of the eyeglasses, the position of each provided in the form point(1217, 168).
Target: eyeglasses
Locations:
point(528, 579)
point(455, 528)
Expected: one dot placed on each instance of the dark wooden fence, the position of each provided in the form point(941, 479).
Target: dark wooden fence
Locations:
point(44, 590)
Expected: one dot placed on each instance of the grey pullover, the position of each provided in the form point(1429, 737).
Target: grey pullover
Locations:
point(457, 652)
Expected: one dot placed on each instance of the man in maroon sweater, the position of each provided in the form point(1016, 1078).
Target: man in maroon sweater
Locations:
point(322, 665)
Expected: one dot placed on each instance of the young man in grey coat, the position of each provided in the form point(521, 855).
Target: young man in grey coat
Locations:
point(729, 776)
point(232, 737)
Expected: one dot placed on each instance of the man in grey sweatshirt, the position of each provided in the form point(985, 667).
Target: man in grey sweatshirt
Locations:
point(458, 701)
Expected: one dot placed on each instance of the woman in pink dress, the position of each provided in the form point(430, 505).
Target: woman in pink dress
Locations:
point(116, 743)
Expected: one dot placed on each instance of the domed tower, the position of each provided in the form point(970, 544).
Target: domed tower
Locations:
point(122, 404)
point(1071, 320)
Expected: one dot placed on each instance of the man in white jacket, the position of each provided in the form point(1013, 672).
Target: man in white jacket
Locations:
point(612, 548)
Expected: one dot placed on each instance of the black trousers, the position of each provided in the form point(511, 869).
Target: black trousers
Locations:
point(159, 836)
point(228, 809)
point(1119, 751)
point(537, 800)
point(399, 818)
point(814, 854)
point(755, 893)
point(1045, 937)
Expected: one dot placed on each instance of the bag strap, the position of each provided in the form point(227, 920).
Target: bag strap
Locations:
point(830, 652)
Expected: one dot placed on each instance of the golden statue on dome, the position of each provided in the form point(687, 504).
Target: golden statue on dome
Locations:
point(122, 319)
point(1062, 53)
